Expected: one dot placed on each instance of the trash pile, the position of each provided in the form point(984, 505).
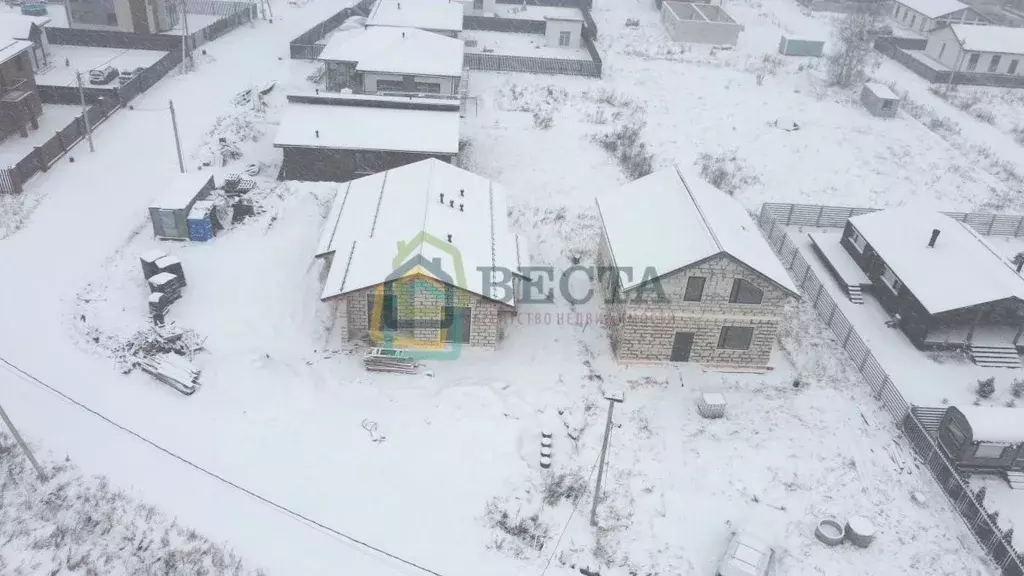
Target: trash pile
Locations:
point(388, 360)
point(164, 352)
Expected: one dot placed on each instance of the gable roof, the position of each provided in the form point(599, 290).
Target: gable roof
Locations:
point(934, 8)
point(962, 270)
point(669, 221)
point(999, 39)
point(374, 218)
point(397, 49)
point(441, 15)
point(19, 26)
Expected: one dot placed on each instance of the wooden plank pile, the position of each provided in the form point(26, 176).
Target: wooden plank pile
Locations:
point(175, 371)
point(389, 360)
point(167, 284)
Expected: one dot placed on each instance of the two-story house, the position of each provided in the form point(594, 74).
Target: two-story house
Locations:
point(31, 28)
point(384, 59)
point(20, 106)
point(138, 16)
point(691, 277)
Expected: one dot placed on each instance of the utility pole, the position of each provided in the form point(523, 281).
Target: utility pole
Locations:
point(186, 54)
point(24, 447)
point(177, 140)
point(85, 112)
point(613, 399)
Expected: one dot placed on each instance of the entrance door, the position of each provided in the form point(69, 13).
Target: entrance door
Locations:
point(681, 345)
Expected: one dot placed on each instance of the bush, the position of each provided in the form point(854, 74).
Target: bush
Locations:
point(625, 144)
point(565, 486)
point(986, 387)
point(724, 171)
point(543, 119)
point(1017, 388)
point(529, 531)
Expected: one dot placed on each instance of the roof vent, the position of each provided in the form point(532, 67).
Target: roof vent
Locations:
point(449, 238)
point(403, 34)
point(462, 192)
point(451, 203)
point(935, 236)
point(317, 133)
point(460, 208)
point(442, 197)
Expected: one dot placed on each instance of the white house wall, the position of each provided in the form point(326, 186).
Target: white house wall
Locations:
point(955, 58)
point(553, 28)
point(948, 56)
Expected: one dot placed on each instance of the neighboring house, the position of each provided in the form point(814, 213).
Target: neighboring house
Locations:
point(139, 16)
point(406, 252)
point(342, 137)
point(699, 23)
point(697, 281)
point(982, 49)
point(31, 28)
point(383, 59)
point(563, 31)
point(438, 16)
point(20, 107)
point(561, 26)
point(923, 16)
point(946, 284)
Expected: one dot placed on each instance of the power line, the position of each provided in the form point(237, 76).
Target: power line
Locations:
point(565, 528)
point(278, 507)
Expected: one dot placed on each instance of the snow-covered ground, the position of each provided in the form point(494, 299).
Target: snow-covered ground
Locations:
point(67, 60)
point(55, 117)
point(287, 411)
point(534, 45)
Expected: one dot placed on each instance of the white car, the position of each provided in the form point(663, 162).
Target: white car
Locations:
point(746, 556)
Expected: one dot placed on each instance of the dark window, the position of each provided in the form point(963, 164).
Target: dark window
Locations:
point(428, 87)
point(744, 292)
point(1013, 67)
point(736, 337)
point(457, 324)
point(390, 86)
point(19, 64)
point(989, 450)
point(993, 64)
point(972, 62)
point(694, 289)
point(111, 18)
point(957, 434)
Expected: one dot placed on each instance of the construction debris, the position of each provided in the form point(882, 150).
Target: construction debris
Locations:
point(176, 372)
point(389, 360)
point(157, 341)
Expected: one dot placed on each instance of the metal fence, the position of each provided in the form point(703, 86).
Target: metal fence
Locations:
point(512, 25)
point(305, 47)
point(530, 64)
point(217, 7)
point(773, 218)
point(42, 157)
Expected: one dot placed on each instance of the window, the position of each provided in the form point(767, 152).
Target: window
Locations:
point(956, 433)
point(428, 87)
point(564, 38)
point(989, 450)
point(457, 324)
point(744, 292)
point(19, 64)
point(389, 86)
point(694, 289)
point(905, 14)
point(886, 106)
point(890, 280)
point(735, 337)
point(112, 19)
point(993, 64)
point(897, 12)
point(972, 62)
point(478, 4)
point(913, 20)
point(1013, 67)
point(942, 50)
point(858, 241)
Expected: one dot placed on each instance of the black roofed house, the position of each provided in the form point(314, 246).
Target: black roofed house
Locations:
point(944, 284)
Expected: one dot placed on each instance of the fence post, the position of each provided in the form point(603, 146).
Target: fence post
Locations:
point(807, 272)
point(792, 260)
point(1020, 222)
point(821, 286)
point(863, 362)
point(991, 224)
point(60, 138)
point(38, 157)
point(817, 221)
point(789, 218)
point(846, 340)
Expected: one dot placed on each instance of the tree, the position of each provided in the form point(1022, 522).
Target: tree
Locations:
point(854, 37)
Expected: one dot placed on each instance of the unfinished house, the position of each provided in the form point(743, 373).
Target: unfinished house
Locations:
point(408, 256)
point(699, 24)
point(695, 281)
point(438, 16)
point(341, 137)
point(943, 283)
point(20, 106)
point(923, 16)
point(386, 60)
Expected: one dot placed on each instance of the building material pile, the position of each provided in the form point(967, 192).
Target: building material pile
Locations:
point(237, 185)
point(167, 284)
point(389, 360)
point(176, 372)
point(166, 278)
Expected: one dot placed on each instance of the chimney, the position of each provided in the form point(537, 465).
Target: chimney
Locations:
point(449, 238)
point(399, 5)
point(935, 236)
point(451, 203)
point(462, 193)
point(403, 34)
point(442, 197)
point(461, 210)
point(317, 133)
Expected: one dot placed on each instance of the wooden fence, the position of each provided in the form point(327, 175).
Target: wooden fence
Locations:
point(531, 64)
point(773, 219)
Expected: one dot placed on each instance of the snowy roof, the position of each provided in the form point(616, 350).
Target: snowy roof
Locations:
point(398, 50)
point(933, 8)
point(13, 48)
point(881, 91)
point(373, 217)
point(182, 191)
point(439, 15)
point(994, 423)
point(962, 270)
point(668, 220)
point(990, 38)
point(18, 26)
point(368, 128)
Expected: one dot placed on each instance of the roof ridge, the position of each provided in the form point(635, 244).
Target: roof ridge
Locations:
point(700, 211)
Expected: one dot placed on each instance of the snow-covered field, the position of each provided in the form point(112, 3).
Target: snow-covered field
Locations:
point(424, 466)
point(55, 117)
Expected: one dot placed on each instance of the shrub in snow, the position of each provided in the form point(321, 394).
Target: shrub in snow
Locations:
point(986, 387)
point(724, 171)
point(1017, 388)
point(625, 144)
point(567, 486)
point(853, 37)
point(528, 531)
point(544, 119)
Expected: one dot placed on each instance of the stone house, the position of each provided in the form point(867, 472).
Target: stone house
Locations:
point(421, 257)
point(383, 59)
point(691, 277)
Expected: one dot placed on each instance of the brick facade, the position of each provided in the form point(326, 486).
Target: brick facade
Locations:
point(644, 328)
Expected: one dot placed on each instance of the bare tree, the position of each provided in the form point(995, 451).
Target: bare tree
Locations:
point(854, 36)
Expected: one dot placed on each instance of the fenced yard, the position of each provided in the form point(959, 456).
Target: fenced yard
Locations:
point(773, 219)
point(306, 46)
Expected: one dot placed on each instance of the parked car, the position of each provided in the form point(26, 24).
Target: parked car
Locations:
point(33, 9)
point(746, 556)
point(129, 75)
point(104, 75)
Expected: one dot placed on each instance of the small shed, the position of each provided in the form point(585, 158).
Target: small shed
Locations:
point(789, 46)
point(170, 213)
point(880, 100)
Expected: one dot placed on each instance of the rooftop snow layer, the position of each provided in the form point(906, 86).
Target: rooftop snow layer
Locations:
point(397, 50)
point(669, 221)
point(18, 26)
point(366, 128)
point(933, 8)
point(990, 38)
point(881, 91)
point(182, 191)
point(962, 270)
point(12, 48)
point(372, 218)
point(994, 423)
point(440, 15)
